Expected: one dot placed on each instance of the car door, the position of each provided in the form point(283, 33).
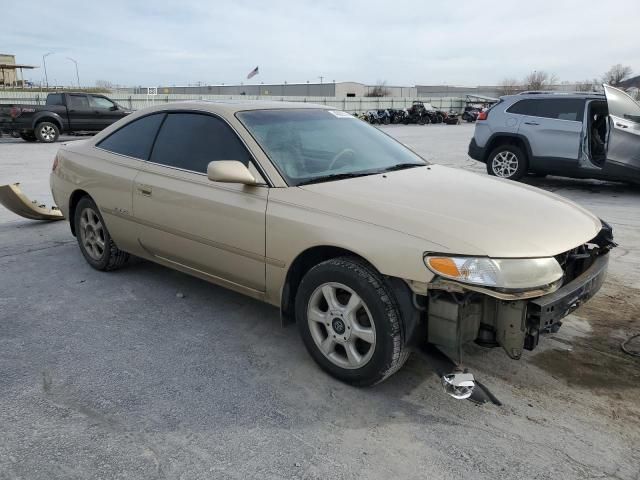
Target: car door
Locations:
point(553, 127)
point(105, 111)
point(208, 228)
point(118, 159)
point(81, 115)
point(623, 145)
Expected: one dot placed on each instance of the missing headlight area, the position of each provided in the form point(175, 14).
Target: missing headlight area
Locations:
point(458, 314)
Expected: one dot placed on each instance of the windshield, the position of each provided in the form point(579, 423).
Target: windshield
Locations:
point(314, 145)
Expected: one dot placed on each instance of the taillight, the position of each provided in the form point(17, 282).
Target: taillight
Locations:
point(483, 115)
point(55, 164)
point(15, 112)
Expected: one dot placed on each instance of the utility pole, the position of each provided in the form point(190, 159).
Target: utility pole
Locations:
point(321, 78)
point(76, 64)
point(44, 64)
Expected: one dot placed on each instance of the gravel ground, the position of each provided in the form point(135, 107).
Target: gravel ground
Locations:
point(114, 375)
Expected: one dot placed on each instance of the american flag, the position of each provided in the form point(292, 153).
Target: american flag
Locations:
point(253, 73)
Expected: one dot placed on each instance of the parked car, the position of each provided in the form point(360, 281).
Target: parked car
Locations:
point(62, 113)
point(368, 247)
point(580, 135)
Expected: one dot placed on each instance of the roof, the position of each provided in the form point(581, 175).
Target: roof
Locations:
point(233, 106)
point(553, 94)
point(14, 66)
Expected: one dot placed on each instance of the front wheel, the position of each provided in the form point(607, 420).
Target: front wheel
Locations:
point(349, 321)
point(507, 161)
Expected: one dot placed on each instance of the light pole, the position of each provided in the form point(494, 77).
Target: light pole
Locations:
point(44, 64)
point(76, 64)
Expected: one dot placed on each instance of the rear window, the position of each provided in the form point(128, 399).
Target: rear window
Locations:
point(135, 139)
point(54, 99)
point(558, 108)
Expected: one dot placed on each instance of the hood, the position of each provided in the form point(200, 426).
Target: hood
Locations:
point(464, 212)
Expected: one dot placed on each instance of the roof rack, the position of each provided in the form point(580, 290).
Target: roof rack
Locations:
point(555, 92)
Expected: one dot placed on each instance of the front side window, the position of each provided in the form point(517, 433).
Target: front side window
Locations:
point(191, 141)
point(100, 103)
point(78, 101)
point(313, 145)
point(622, 105)
point(135, 139)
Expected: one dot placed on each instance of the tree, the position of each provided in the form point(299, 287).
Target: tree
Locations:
point(539, 80)
point(617, 74)
point(509, 86)
point(379, 90)
point(586, 86)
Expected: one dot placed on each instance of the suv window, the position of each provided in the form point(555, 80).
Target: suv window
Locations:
point(191, 140)
point(100, 102)
point(54, 99)
point(622, 105)
point(78, 101)
point(558, 108)
point(135, 139)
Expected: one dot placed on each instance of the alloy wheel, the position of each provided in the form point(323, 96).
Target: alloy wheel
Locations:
point(341, 325)
point(505, 164)
point(48, 133)
point(92, 233)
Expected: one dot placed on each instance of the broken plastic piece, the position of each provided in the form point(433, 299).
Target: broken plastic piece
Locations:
point(13, 199)
point(459, 385)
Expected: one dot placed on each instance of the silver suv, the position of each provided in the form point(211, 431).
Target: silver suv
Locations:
point(581, 135)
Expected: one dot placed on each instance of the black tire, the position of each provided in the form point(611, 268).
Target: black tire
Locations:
point(47, 132)
point(389, 350)
point(28, 137)
point(518, 170)
point(111, 257)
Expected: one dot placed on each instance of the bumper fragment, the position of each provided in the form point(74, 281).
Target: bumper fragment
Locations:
point(476, 152)
point(13, 199)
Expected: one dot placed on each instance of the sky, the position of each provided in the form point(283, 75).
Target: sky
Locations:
point(402, 42)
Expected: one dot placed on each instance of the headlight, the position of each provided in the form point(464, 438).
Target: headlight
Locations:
point(508, 273)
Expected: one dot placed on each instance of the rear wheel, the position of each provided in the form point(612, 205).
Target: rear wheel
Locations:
point(47, 132)
point(349, 321)
point(96, 245)
point(507, 161)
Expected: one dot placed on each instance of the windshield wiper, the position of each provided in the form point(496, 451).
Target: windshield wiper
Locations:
point(335, 176)
point(402, 166)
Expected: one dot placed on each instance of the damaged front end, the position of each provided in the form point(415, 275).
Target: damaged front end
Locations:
point(458, 313)
point(13, 199)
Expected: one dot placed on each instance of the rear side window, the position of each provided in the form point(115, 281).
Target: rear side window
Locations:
point(191, 140)
point(557, 108)
point(54, 99)
point(78, 101)
point(135, 139)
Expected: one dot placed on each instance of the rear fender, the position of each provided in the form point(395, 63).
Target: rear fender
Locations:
point(47, 117)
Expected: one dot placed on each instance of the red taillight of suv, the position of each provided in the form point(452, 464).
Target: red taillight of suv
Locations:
point(483, 115)
point(15, 112)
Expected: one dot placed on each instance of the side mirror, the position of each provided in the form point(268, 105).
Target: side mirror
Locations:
point(113, 108)
point(230, 171)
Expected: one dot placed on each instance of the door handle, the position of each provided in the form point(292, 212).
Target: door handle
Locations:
point(531, 123)
point(144, 190)
point(622, 125)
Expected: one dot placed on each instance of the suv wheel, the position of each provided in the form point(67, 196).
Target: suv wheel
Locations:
point(95, 243)
point(507, 161)
point(349, 321)
point(47, 132)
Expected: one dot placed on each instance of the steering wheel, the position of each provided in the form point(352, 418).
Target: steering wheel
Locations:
point(339, 155)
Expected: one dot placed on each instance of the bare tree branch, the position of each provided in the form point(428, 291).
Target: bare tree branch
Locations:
point(617, 74)
point(509, 86)
point(540, 80)
point(380, 90)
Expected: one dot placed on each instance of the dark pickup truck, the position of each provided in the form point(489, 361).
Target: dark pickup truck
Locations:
point(62, 113)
